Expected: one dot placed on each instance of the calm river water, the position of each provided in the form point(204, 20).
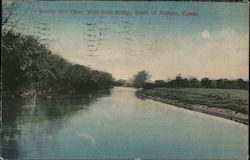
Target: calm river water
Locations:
point(118, 125)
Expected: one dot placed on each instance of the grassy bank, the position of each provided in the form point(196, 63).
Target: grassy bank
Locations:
point(227, 103)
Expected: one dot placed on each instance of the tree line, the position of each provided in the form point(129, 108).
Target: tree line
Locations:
point(180, 82)
point(142, 80)
point(30, 67)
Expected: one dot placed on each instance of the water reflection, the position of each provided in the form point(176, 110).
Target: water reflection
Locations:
point(117, 126)
point(50, 115)
point(87, 137)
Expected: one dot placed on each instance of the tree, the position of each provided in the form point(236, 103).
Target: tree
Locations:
point(140, 79)
point(193, 82)
point(206, 82)
point(12, 14)
point(180, 81)
point(119, 82)
point(241, 84)
point(160, 83)
point(30, 68)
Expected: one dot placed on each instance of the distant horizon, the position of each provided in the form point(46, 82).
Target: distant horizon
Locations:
point(212, 42)
point(165, 79)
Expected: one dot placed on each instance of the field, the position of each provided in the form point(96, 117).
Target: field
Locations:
point(236, 100)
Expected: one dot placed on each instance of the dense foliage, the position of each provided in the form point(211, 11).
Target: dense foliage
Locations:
point(140, 79)
point(29, 67)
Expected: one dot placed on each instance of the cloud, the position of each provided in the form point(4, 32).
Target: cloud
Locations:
point(205, 34)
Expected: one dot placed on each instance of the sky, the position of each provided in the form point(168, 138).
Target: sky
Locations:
point(213, 42)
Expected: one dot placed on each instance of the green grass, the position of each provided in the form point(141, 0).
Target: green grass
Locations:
point(233, 99)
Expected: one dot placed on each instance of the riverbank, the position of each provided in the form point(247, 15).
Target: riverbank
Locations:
point(191, 104)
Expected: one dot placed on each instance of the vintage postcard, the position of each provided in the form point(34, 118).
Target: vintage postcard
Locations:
point(124, 80)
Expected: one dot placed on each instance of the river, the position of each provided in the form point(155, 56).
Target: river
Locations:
point(118, 125)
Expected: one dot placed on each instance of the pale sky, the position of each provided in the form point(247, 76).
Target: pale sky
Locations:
point(213, 44)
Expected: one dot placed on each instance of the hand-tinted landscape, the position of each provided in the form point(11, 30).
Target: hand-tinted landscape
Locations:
point(124, 80)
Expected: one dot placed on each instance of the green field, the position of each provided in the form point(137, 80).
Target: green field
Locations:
point(236, 100)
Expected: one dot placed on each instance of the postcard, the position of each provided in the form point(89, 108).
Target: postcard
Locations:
point(124, 80)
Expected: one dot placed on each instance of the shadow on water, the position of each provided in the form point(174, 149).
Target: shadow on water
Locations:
point(51, 113)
